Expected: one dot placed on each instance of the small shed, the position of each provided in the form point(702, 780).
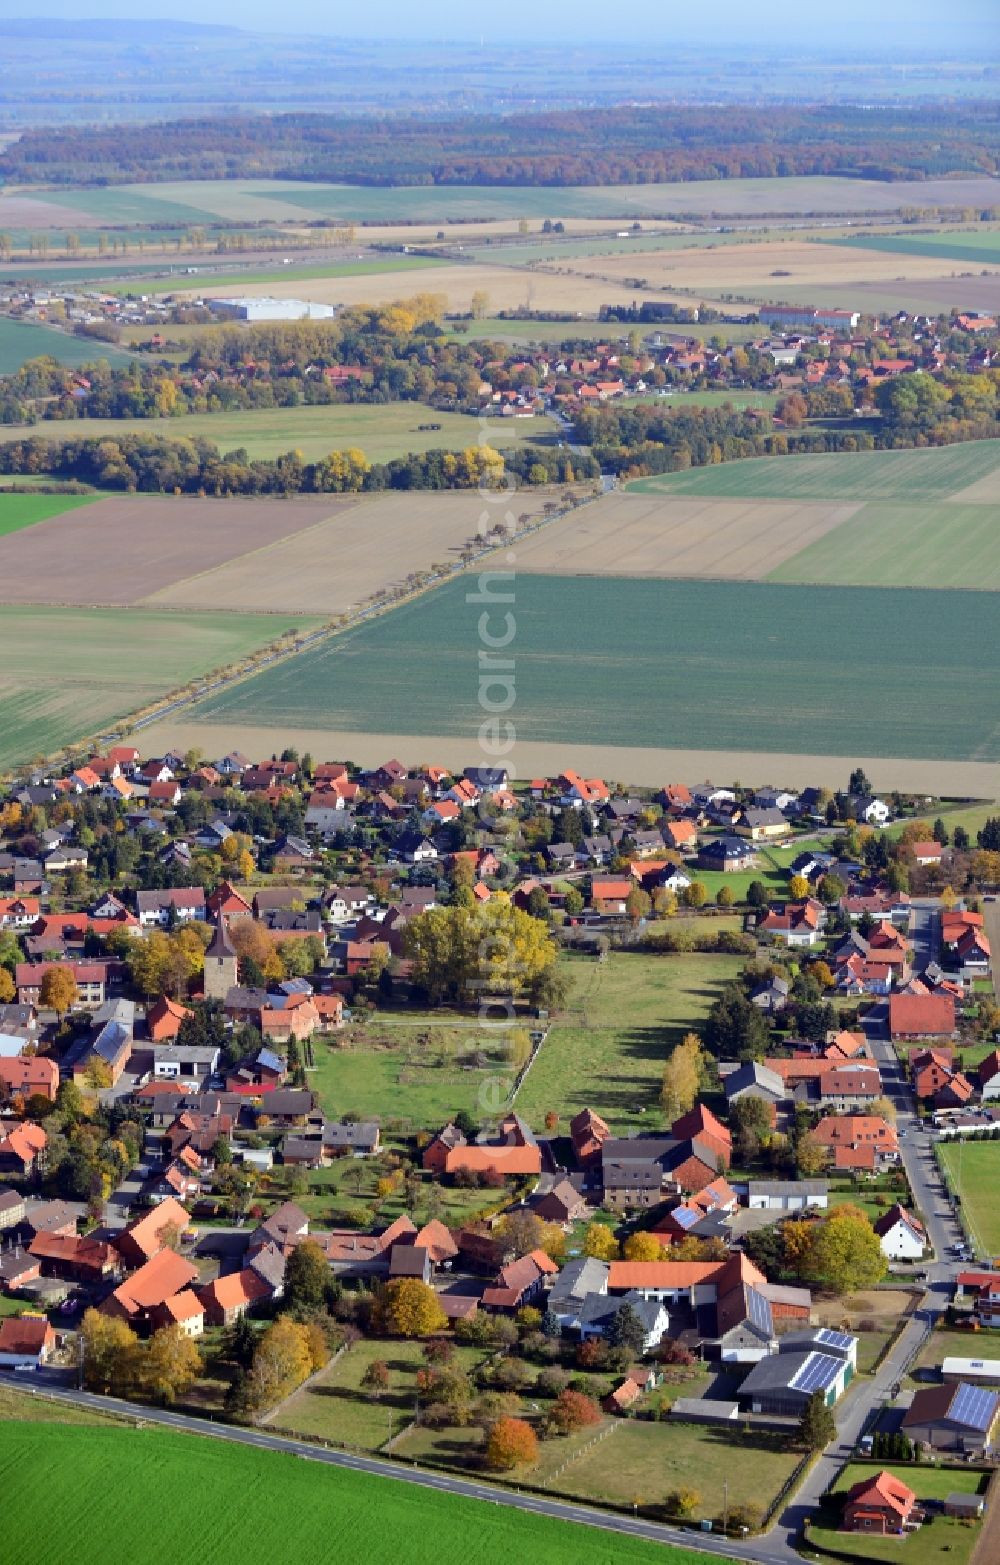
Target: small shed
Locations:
point(968, 1506)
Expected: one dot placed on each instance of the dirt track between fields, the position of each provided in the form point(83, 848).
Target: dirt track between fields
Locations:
point(530, 758)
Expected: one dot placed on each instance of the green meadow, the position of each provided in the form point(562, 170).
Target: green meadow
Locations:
point(973, 246)
point(679, 664)
point(24, 510)
point(941, 544)
point(23, 340)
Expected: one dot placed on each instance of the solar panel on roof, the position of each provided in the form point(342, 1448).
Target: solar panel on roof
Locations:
point(818, 1373)
point(759, 1311)
point(973, 1406)
point(834, 1339)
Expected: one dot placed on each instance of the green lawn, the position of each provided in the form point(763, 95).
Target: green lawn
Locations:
point(27, 1408)
point(382, 432)
point(622, 1018)
point(976, 246)
point(192, 1500)
point(974, 1168)
point(644, 1461)
point(930, 474)
point(67, 673)
point(913, 545)
point(23, 340)
point(954, 813)
point(941, 1536)
point(723, 665)
point(24, 510)
point(204, 277)
point(336, 1408)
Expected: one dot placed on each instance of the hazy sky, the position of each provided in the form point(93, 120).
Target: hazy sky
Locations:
point(960, 28)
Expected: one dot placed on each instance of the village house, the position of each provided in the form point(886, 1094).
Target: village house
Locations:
point(902, 1236)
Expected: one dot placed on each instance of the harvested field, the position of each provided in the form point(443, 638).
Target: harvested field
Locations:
point(121, 550)
point(959, 290)
point(650, 535)
point(619, 660)
point(941, 544)
point(506, 288)
point(767, 267)
point(376, 542)
point(935, 473)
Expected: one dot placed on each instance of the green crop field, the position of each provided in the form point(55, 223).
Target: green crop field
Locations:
point(67, 673)
point(24, 510)
point(943, 544)
point(972, 245)
point(704, 399)
point(206, 278)
point(190, 1501)
point(930, 474)
point(23, 340)
point(720, 665)
point(621, 1019)
point(974, 1168)
point(382, 431)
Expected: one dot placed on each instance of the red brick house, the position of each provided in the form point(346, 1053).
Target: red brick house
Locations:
point(921, 1016)
point(881, 1505)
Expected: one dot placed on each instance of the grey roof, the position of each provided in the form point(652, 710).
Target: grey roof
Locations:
point(753, 1075)
point(820, 1339)
point(220, 944)
point(578, 1279)
point(362, 1133)
point(600, 1309)
point(803, 1373)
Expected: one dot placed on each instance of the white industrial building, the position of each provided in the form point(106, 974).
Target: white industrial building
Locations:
point(271, 309)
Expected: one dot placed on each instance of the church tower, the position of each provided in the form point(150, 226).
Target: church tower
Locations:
point(220, 963)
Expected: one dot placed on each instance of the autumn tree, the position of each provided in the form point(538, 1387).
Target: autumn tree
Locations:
point(682, 1502)
point(811, 1156)
point(572, 1410)
point(642, 1246)
point(599, 1242)
point(846, 1253)
point(411, 1308)
point(57, 991)
point(798, 888)
point(8, 988)
point(521, 1232)
point(681, 1077)
point(493, 948)
point(512, 1443)
point(109, 1349)
point(375, 1379)
point(170, 1365)
point(281, 1362)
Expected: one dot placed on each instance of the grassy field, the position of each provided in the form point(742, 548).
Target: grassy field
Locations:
point(931, 474)
point(955, 1344)
point(66, 673)
point(371, 1518)
point(943, 1535)
point(971, 245)
point(27, 1408)
point(974, 1168)
point(942, 544)
point(621, 1020)
point(705, 399)
point(644, 1462)
point(23, 340)
point(335, 1407)
point(732, 665)
point(373, 267)
point(382, 432)
point(24, 510)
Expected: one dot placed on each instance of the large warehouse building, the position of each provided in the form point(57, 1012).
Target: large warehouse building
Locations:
point(271, 310)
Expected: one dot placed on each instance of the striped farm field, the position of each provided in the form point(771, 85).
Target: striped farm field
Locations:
point(67, 673)
point(942, 544)
point(721, 665)
point(933, 473)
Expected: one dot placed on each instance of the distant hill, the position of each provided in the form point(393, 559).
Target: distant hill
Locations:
point(108, 29)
